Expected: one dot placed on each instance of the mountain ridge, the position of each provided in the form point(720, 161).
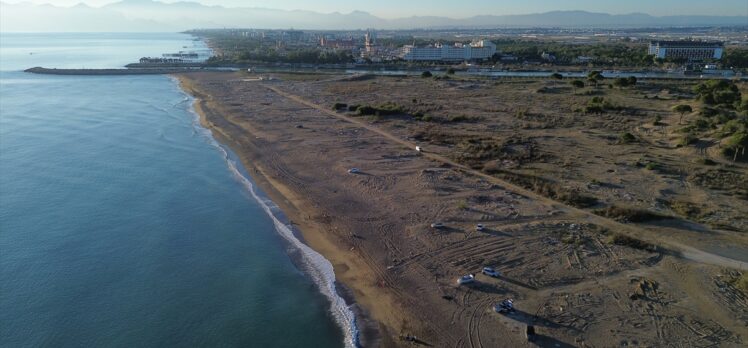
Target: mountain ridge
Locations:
point(150, 15)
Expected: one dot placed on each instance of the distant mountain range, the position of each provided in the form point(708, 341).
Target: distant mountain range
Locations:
point(149, 16)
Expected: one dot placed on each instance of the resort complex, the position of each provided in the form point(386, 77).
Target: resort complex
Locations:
point(480, 50)
point(687, 50)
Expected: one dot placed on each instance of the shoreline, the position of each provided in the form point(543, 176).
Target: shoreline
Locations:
point(361, 330)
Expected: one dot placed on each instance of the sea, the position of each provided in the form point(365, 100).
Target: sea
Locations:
point(123, 223)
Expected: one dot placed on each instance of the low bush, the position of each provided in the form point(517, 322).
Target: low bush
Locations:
point(620, 239)
point(365, 110)
point(626, 138)
point(686, 209)
point(460, 118)
point(627, 214)
point(742, 282)
point(688, 139)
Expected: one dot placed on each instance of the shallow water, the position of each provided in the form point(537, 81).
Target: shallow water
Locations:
point(122, 223)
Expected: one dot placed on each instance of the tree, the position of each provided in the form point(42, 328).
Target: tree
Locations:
point(594, 77)
point(576, 84)
point(682, 109)
point(450, 71)
point(718, 92)
point(557, 76)
point(621, 82)
point(426, 74)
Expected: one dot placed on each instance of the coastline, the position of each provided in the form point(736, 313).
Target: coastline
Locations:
point(359, 328)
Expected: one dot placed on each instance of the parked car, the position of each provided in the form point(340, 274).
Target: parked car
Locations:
point(419, 149)
point(480, 227)
point(466, 279)
point(354, 171)
point(489, 271)
point(505, 306)
point(437, 225)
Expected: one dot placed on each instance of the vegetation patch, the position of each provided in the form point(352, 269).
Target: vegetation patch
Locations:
point(628, 214)
point(599, 105)
point(724, 114)
point(550, 189)
point(626, 138)
point(631, 242)
point(730, 181)
point(688, 139)
point(479, 150)
point(688, 210)
point(742, 283)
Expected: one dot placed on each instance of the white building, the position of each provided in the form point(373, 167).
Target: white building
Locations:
point(688, 50)
point(483, 49)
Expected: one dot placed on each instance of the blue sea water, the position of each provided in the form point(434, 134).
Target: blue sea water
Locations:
point(123, 223)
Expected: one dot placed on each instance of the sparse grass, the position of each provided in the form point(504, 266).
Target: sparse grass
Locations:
point(550, 189)
point(686, 209)
point(706, 161)
point(462, 205)
point(742, 282)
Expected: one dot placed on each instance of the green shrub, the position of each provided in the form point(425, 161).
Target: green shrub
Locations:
point(338, 106)
point(626, 138)
point(688, 139)
point(366, 110)
point(702, 123)
point(426, 74)
point(593, 109)
point(657, 120)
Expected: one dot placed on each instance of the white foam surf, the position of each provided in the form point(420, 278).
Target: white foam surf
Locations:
point(316, 266)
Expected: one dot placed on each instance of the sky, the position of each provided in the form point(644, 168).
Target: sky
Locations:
point(466, 8)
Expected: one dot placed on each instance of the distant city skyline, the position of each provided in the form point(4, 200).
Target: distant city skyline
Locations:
point(467, 8)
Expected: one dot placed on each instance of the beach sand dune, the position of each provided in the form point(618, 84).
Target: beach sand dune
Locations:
point(567, 278)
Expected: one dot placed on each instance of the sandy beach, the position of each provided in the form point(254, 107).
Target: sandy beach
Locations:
point(563, 266)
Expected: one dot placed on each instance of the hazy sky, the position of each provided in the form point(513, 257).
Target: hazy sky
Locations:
point(464, 8)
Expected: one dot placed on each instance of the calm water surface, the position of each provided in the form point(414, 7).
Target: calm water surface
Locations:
point(121, 223)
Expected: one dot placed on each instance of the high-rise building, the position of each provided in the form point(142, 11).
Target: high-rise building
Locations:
point(688, 50)
point(370, 45)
